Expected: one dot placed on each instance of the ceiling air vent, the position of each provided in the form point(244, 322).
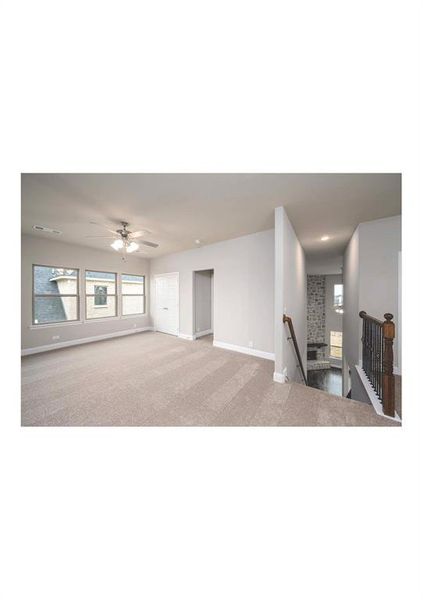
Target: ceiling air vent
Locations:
point(46, 229)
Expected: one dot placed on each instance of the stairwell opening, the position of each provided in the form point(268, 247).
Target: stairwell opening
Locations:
point(324, 332)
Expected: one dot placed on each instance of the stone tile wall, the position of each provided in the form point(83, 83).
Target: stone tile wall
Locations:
point(316, 313)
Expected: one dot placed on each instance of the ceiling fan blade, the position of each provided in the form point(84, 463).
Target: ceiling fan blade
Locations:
point(106, 227)
point(140, 233)
point(150, 244)
point(104, 237)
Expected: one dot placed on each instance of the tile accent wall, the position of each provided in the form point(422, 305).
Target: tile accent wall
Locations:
point(316, 313)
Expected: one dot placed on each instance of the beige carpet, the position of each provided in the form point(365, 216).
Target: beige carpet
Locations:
point(156, 379)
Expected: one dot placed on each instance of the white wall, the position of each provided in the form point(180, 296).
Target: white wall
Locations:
point(52, 253)
point(243, 288)
point(371, 280)
point(351, 325)
point(203, 300)
point(380, 243)
point(331, 265)
point(290, 298)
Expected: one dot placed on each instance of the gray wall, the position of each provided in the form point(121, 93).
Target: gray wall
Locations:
point(358, 391)
point(330, 265)
point(351, 320)
point(370, 278)
point(243, 288)
point(52, 253)
point(370, 282)
point(380, 243)
point(333, 319)
point(203, 300)
point(290, 297)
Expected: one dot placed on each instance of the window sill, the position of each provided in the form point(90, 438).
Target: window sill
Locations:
point(85, 321)
point(102, 319)
point(61, 324)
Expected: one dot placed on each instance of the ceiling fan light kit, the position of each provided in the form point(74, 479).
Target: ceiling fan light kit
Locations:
point(117, 244)
point(125, 240)
point(127, 245)
point(131, 247)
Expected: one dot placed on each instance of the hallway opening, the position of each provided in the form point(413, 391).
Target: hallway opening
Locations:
point(203, 303)
point(325, 332)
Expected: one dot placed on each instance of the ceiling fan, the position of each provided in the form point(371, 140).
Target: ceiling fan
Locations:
point(123, 238)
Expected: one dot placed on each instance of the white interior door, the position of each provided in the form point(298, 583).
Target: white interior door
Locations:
point(166, 318)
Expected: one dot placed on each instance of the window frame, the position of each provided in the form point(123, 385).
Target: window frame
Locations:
point(335, 346)
point(335, 305)
point(115, 295)
point(135, 295)
point(34, 296)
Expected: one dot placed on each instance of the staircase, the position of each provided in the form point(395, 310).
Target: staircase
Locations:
point(378, 361)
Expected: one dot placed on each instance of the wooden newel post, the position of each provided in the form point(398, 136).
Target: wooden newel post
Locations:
point(388, 380)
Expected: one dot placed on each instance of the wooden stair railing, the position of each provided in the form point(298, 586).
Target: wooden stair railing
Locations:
point(290, 324)
point(378, 358)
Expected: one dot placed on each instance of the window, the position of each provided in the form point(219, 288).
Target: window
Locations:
point(100, 294)
point(338, 295)
point(133, 294)
point(55, 294)
point(335, 344)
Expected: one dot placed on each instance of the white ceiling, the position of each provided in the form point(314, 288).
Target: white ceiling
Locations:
point(180, 208)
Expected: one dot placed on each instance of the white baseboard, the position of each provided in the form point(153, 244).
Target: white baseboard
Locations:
point(185, 336)
point(244, 350)
point(376, 403)
point(201, 333)
point(280, 377)
point(87, 340)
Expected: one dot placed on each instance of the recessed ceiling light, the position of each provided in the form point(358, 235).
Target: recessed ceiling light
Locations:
point(198, 241)
point(324, 238)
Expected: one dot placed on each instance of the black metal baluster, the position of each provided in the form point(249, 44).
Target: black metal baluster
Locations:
point(363, 343)
point(368, 348)
point(366, 345)
point(380, 359)
point(381, 363)
point(377, 358)
point(375, 351)
point(372, 365)
point(374, 356)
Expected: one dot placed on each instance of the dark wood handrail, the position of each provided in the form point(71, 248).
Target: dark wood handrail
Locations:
point(288, 320)
point(364, 315)
point(378, 358)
